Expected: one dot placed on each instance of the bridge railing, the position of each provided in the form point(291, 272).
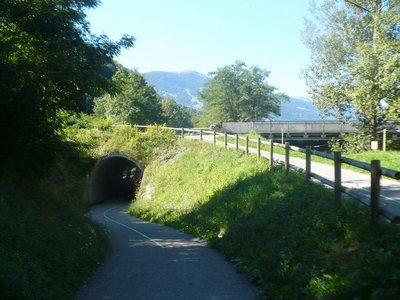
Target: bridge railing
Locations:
point(375, 169)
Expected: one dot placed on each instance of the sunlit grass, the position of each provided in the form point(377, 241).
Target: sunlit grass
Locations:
point(288, 235)
point(389, 159)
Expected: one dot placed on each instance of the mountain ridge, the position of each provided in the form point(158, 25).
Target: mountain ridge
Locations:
point(184, 88)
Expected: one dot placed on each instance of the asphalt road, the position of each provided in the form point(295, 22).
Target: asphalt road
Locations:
point(151, 261)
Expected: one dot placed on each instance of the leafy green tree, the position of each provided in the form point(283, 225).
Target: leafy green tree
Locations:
point(49, 62)
point(240, 93)
point(134, 102)
point(355, 61)
point(176, 115)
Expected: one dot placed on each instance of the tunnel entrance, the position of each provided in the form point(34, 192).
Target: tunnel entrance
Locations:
point(114, 177)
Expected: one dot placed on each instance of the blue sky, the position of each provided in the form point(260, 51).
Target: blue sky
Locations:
point(203, 35)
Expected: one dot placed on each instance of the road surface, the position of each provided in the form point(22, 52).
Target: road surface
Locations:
point(151, 261)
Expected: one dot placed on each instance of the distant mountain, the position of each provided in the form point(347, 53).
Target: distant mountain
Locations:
point(184, 88)
point(298, 109)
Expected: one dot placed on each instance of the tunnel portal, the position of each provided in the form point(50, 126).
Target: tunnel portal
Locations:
point(114, 177)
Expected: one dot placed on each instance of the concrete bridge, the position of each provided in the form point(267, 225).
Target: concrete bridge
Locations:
point(292, 130)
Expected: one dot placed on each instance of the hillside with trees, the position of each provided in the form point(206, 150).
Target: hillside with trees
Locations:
point(134, 101)
point(62, 93)
point(50, 62)
point(185, 87)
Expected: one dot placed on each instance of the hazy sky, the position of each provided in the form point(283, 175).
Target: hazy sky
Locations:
point(203, 35)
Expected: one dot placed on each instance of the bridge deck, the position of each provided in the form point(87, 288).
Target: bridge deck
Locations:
point(320, 128)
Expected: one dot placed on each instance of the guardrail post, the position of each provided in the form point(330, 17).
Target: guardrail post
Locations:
point(226, 140)
point(337, 158)
point(247, 145)
point(384, 140)
point(375, 191)
point(287, 150)
point(271, 153)
point(201, 134)
point(215, 137)
point(308, 162)
point(183, 132)
point(258, 149)
point(237, 141)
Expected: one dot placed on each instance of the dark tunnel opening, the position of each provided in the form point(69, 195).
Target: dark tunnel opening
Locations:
point(114, 177)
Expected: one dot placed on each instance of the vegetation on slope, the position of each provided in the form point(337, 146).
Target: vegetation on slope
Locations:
point(287, 235)
point(48, 246)
point(98, 137)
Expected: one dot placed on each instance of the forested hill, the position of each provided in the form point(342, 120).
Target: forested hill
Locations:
point(184, 88)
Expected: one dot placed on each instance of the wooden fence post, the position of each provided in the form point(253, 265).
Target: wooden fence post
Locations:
point(247, 145)
point(271, 153)
point(226, 141)
point(258, 149)
point(237, 141)
point(287, 149)
point(337, 157)
point(201, 134)
point(375, 191)
point(215, 137)
point(384, 140)
point(308, 162)
point(183, 133)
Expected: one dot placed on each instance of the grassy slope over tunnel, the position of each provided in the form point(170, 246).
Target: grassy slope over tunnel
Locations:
point(48, 246)
point(288, 235)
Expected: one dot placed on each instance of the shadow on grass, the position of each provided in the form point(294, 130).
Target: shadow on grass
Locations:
point(295, 241)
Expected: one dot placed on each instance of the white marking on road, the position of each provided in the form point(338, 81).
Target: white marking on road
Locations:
point(130, 228)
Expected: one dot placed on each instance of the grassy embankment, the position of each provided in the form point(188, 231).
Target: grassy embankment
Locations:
point(288, 235)
point(48, 246)
point(389, 159)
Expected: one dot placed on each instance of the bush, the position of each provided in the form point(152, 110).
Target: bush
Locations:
point(351, 143)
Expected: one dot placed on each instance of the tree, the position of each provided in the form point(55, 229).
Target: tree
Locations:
point(176, 115)
point(134, 101)
point(355, 61)
point(239, 93)
point(49, 62)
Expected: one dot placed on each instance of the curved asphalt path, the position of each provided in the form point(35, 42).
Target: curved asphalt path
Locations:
point(151, 261)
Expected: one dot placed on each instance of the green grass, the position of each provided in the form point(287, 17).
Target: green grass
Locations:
point(389, 159)
point(277, 149)
point(289, 236)
point(48, 247)
point(98, 141)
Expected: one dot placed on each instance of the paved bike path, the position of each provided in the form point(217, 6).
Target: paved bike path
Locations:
point(151, 261)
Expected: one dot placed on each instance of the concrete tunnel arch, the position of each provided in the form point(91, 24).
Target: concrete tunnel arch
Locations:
point(114, 176)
